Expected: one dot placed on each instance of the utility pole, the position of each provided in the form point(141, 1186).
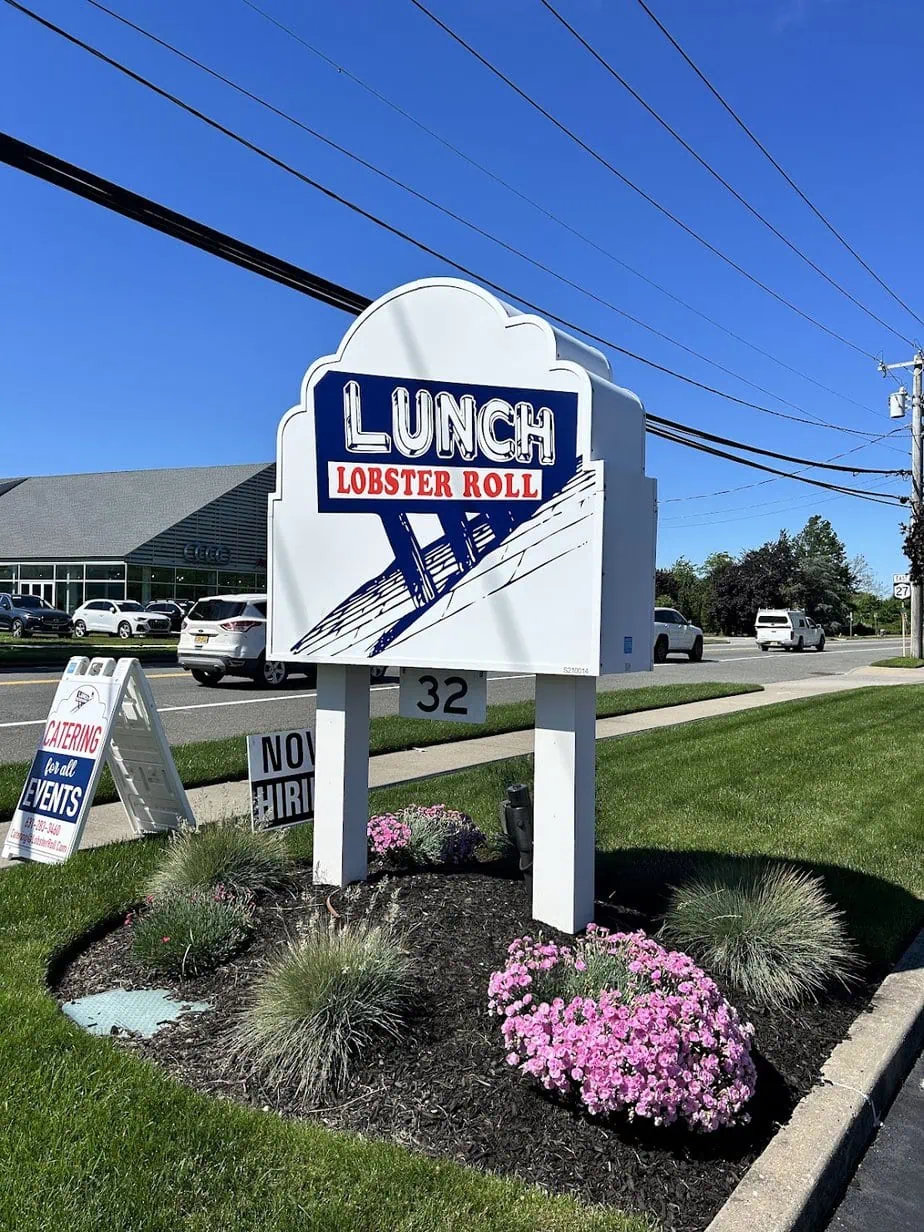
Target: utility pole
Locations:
point(897, 411)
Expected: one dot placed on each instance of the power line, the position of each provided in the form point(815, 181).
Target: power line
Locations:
point(419, 244)
point(769, 453)
point(766, 153)
point(443, 209)
point(142, 209)
point(342, 70)
point(718, 520)
point(866, 494)
point(743, 487)
point(604, 162)
point(707, 166)
point(681, 524)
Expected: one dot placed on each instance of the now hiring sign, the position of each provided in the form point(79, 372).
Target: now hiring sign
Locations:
point(281, 770)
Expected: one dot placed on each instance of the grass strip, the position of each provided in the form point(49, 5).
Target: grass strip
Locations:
point(220, 761)
point(899, 661)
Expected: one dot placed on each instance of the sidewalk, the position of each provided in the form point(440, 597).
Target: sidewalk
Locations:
point(107, 823)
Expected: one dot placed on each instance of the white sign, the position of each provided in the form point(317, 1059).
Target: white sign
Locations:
point(901, 586)
point(462, 485)
point(281, 770)
point(103, 710)
point(433, 693)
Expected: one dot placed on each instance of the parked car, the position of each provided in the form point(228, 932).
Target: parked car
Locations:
point(789, 629)
point(673, 632)
point(225, 635)
point(119, 618)
point(24, 615)
point(169, 608)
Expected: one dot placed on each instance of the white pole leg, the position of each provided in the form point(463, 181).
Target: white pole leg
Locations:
point(341, 784)
point(563, 810)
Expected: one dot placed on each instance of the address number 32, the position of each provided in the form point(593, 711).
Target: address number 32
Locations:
point(432, 693)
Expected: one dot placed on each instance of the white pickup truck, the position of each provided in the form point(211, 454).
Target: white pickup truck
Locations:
point(673, 632)
point(787, 629)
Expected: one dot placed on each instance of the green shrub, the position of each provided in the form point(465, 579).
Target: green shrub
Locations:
point(184, 935)
point(323, 1004)
point(229, 854)
point(771, 931)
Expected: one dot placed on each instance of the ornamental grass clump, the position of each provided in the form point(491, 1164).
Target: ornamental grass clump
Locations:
point(182, 935)
point(771, 931)
point(425, 835)
point(625, 1026)
point(229, 854)
point(324, 1004)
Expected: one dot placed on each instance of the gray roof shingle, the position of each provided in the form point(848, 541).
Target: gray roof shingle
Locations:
point(106, 514)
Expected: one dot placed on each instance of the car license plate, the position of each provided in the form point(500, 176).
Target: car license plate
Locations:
point(202, 639)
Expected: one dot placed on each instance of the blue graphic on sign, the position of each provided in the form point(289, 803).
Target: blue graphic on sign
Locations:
point(387, 444)
point(56, 785)
point(484, 459)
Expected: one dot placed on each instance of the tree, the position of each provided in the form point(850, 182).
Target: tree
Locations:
point(824, 581)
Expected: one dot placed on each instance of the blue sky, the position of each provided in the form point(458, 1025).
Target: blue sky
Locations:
point(123, 348)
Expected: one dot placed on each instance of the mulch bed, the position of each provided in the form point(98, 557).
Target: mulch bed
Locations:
point(447, 1090)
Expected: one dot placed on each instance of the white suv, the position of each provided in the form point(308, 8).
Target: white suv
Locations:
point(674, 632)
point(225, 635)
point(122, 617)
point(791, 630)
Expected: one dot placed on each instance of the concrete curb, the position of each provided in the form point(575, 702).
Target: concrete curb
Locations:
point(794, 1185)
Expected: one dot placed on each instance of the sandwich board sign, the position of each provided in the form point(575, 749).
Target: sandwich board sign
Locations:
point(462, 486)
point(280, 766)
point(103, 712)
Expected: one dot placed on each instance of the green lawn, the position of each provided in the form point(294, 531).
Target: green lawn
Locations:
point(835, 782)
point(99, 1140)
point(218, 761)
point(41, 652)
point(899, 661)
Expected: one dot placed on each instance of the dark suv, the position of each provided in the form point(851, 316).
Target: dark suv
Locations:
point(173, 612)
point(24, 615)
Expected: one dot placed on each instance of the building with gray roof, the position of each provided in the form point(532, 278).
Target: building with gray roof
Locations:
point(176, 533)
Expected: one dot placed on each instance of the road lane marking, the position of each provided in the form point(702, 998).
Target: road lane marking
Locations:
point(757, 654)
point(57, 679)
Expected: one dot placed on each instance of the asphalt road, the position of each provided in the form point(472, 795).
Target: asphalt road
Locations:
point(191, 712)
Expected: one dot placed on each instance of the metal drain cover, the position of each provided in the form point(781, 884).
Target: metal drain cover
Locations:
point(142, 1011)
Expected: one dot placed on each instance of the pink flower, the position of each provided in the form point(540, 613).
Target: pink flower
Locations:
point(664, 1045)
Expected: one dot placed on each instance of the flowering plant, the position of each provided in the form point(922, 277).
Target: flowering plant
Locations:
point(186, 934)
point(418, 834)
point(388, 834)
point(627, 1025)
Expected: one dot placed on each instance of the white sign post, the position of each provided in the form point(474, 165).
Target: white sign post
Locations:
point(280, 766)
point(103, 711)
point(463, 486)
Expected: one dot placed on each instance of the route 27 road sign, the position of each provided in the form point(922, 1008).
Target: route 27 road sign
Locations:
point(431, 693)
point(901, 586)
